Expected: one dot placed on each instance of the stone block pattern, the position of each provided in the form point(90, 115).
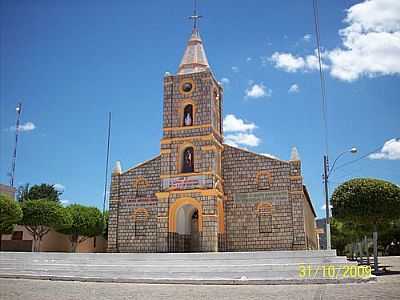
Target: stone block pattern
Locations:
point(125, 199)
point(242, 222)
point(201, 95)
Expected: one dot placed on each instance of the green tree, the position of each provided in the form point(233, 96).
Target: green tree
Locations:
point(36, 192)
point(23, 193)
point(39, 216)
point(370, 202)
point(106, 217)
point(10, 214)
point(85, 222)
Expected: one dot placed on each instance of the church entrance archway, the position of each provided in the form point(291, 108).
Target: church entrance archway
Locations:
point(186, 225)
point(187, 228)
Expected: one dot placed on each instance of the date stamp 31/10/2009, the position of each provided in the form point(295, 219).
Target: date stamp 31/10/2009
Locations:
point(334, 271)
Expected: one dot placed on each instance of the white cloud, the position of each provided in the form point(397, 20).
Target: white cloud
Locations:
point(390, 150)
point(287, 62)
point(59, 187)
point(307, 37)
point(248, 139)
point(234, 124)
point(371, 41)
point(225, 80)
point(294, 88)
point(248, 59)
point(257, 91)
point(323, 207)
point(291, 63)
point(28, 126)
point(240, 132)
point(269, 155)
point(235, 69)
point(370, 44)
point(64, 202)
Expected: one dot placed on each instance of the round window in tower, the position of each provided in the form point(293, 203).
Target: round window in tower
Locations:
point(187, 87)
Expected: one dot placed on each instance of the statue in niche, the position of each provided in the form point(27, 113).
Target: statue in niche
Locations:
point(188, 115)
point(188, 162)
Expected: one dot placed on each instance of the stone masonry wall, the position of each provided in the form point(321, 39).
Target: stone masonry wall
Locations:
point(133, 209)
point(245, 225)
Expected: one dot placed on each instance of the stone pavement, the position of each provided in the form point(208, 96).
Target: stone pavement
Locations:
point(270, 267)
point(386, 287)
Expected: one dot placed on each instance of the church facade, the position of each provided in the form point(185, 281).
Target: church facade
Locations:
point(200, 194)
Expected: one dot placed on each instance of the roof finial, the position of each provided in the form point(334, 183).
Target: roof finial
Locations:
point(195, 17)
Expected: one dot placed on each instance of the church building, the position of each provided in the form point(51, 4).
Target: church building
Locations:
point(200, 194)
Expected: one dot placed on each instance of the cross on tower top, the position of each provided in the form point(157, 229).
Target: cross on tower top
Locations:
point(195, 17)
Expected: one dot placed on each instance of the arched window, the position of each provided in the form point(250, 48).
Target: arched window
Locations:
point(188, 115)
point(265, 218)
point(188, 160)
point(140, 217)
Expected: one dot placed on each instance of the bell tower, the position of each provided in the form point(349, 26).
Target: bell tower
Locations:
point(191, 151)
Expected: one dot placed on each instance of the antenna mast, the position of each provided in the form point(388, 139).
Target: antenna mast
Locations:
point(14, 158)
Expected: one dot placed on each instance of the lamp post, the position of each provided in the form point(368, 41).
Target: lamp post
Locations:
point(327, 173)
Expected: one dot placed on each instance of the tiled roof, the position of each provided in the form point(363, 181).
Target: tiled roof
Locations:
point(194, 59)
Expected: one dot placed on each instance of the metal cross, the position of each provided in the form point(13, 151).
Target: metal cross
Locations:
point(195, 17)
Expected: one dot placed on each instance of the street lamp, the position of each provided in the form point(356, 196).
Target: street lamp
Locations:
point(327, 173)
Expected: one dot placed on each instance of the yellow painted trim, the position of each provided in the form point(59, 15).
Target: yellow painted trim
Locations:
point(209, 148)
point(211, 192)
point(208, 137)
point(297, 192)
point(181, 149)
point(182, 108)
point(187, 127)
point(221, 216)
point(181, 86)
point(179, 203)
point(165, 151)
point(264, 173)
point(162, 195)
point(191, 174)
point(266, 205)
point(139, 210)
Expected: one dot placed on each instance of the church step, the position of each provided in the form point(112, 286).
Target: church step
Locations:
point(207, 267)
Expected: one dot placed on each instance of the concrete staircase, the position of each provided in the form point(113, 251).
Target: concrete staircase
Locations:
point(264, 267)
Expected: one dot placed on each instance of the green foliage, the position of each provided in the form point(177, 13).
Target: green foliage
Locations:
point(36, 192)
point(83, 222)
point(23, 193)
point(41, 212)
point(366, 201)
point(106, 217)
point(10, 214)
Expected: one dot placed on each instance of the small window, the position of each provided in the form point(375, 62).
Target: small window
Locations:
point(188, 115)
point(140, 186)
point(265, 218)
point(140, 217)
point(17, 235)
point(188, 160)
point(264, 180)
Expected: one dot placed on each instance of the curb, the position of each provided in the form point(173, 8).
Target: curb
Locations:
point(192, 281)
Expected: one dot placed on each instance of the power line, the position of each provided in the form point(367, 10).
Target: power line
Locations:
point(321, 76)
point(364, 156)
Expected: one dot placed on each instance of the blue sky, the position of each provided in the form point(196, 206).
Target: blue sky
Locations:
point(70, 62)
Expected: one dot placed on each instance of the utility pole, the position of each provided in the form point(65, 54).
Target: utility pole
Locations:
point(107, 160)
point(327, 221)
point(14, 158)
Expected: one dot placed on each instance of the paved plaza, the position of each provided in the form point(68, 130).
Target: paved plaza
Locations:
point(387, 287)
point(261, 267)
